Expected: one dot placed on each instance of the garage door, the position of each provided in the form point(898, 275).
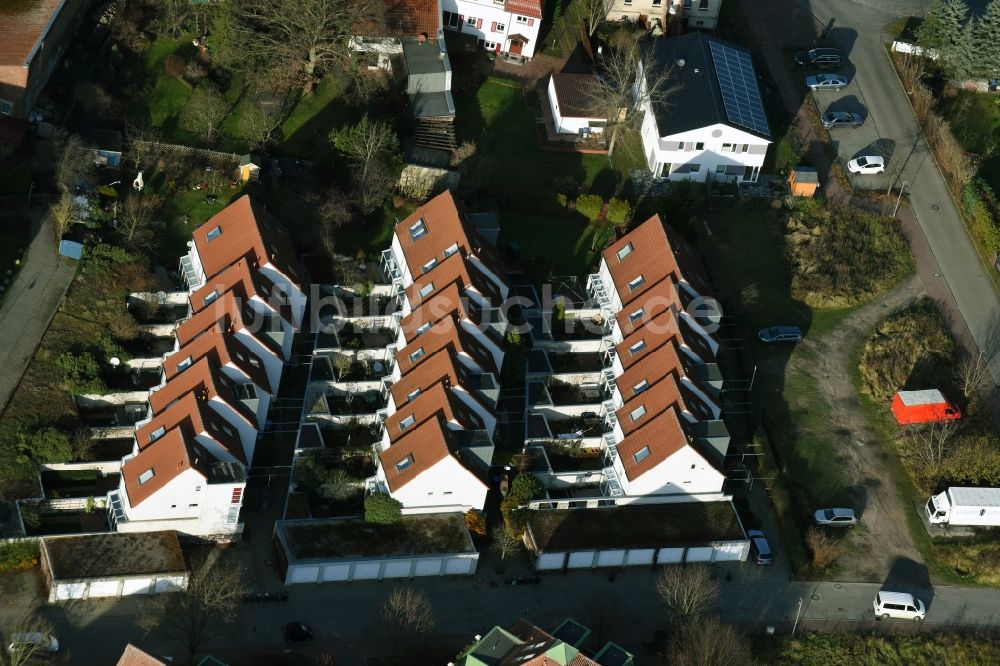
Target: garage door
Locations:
point(103, 588)
point(581, 560)
point(460, 566)
point(300, 574)
point(702, 554)
point(611, 558)
point(428, 568)
point(166, 585)
point(670, 555)
point(367, 570)
point(336, 572)
point(397, 569)
point(731, 551)
point(550, 561)
point(637, 557)
point(136, 586)
point(71, 591)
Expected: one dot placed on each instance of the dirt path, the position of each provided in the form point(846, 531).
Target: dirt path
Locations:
point(883, 537)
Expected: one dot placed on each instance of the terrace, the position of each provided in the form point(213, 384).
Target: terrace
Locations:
point(331, 481)
point(58, 484)
point(560, 456)
point(574, 426)
point(339, 367)
point(334, 403)
point(580, 328)
point(558, 393)
point(353, 336)
point(579, 362)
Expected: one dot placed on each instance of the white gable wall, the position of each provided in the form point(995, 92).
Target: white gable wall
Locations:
point(489, 16)
point(685, 472)
point(447, 485)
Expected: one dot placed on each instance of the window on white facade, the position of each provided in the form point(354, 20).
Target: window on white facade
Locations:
point(185, 364)
point(407, 422)
point(521, 19)
point(404, 463)
point(453, 248)
point(625, 251)
point(246, 392)
point(641, 454)
point(720, 169)
point(191, 506)
point(657, 3)
point(636, 283)
point(426, 289)
point(430, 264)
point(6, 108)
point(703, 6)
point(694, 168)
point(156, 434)
point(640, 387)
point(418, 229)
point(450, 19)
point(417, 354)
point(214, 233)
point(745, 147)
point(234, 514)
point(489, 46)
point(637, 347)
point(628, 3)
point(637, 413)
point(471, 20)
point(197, 489)
point(637, 315)
point(501, 27)
point(146, 476)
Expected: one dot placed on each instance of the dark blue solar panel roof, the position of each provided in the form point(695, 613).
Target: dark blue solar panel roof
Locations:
point(738, 85)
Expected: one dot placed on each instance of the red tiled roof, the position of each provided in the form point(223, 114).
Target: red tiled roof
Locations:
point(133, 656)
point(246, 229)
point(651, 257)
point(444, 302)
point(445, 334)
point(663, 435)
point(223, 347)
point(655, 333)
point(664, 394)
point(194, 417)
point(653, 301)
point(454, 269)
point(207, 380)
point(532, 8)
point(244, 276)
point(654, 366)
point(409, 18)
point(428, 446)
point(438, 366)
point(171, 456)
point(532, 636)
point(21, 25)
point(435, 402)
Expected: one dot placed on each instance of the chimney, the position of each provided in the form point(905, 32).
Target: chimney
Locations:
point(680, 62)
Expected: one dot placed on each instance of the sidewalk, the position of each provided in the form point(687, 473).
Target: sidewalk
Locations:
point(31, 303)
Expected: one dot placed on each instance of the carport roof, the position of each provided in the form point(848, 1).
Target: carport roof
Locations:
point(113, 554)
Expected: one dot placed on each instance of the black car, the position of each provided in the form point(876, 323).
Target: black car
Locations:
point(821, 58)
point(778, 334)
point(833, 119)
point(296, 632)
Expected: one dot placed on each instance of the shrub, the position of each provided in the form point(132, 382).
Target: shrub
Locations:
point(843, 256)
point(822, 549)
point(619, 211)
point(911, 348)
point(382, 509)
point(18, 556)
point(589, 205)
point(475, 523)
point(80, 373)
point(174, 65)
point(523, 489)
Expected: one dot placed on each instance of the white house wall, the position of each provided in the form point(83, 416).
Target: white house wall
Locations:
point(446, 485)
point(679, 150)
point(170, 502)
point(675, 475)
point(296, 299)
point(246, 429)
point(273, 364)
point(488, 14)
point(216, 502)
point(571, 124)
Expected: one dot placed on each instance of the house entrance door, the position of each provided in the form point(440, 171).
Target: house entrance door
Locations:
point(515, 46)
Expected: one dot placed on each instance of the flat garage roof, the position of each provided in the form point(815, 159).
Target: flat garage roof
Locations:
point(113, 554)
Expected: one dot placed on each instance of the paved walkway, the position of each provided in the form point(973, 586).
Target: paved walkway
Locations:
point(31, 303)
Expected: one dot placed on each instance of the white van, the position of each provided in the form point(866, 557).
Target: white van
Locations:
point(33, 642)
point(898, 605)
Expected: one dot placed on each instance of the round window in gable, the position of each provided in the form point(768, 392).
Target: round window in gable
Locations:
point(716, 133)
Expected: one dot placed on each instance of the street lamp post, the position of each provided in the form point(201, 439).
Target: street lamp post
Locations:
point(797, 613)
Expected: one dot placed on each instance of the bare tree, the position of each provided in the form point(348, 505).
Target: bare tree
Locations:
point(195, 615)
point(307, 37)
point(822, 549)
point(141, 138)
point(628, 85)
point(63, 211)
point(139, 221)
point(27, 653)
point(261, 125)
point(82, 443)
point(708, 642)
point(74, 161)
point(930, 443)
point(406, 613)
point(373, 147)
point(687, 591)
point(171, 16)
point(594, 13)
point(205, 112)
point(505, 542)
point(972, 374)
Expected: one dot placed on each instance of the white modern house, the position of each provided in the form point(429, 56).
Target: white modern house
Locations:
point(713, 126)
point(571, 101)
point(508, 27)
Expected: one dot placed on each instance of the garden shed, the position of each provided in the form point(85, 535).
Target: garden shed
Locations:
point(803, 182)
point(322, 551)
point(113, 565)
point(636, 535)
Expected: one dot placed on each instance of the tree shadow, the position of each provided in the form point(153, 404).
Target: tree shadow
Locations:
point(906, 575)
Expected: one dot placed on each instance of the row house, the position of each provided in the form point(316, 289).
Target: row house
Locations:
point(632, 407)
point(188, 467)
point(696, 14)
point(436, 429)
point(507, 27)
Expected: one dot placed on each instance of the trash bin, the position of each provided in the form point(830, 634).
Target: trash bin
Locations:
point(994, 84)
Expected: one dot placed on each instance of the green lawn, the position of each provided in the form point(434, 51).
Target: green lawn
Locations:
point(313, 117)
point(184, 211)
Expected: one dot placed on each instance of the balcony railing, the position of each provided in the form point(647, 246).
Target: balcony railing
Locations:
point(189, 272)
point(611, 486)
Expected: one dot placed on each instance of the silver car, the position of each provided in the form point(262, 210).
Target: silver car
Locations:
point(826, 82)
point(833, 119)
point(835, 517)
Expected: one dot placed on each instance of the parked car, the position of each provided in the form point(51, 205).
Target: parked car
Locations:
point(826, 82)
point(296, 632)
point(833, 119)
point(836, 517)
point(32, 643)
point(760, 550)
point(776, 334)
point(823, 58)
point(899, 605)
point(867, 164)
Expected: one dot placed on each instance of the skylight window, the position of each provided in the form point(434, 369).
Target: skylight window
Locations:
point(404, 463)
point(640, 387)
point(625, 251)
point(450, 250)
point(641, 454)
point(637, 315)
point(637, 347)
point(413, 394)
point(426, 326)
point(146, 476)
point(417, 354)
point(418, 229)
point(214, 233)
point(636, 283)
point(426, 289)
point(407, 422)
point(430, 264)
point(638, 413)
point(185, 364)
point(211, 297)
point(156, 434)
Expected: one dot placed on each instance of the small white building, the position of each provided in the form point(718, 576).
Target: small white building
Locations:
point(571, 100)
point(713, 126)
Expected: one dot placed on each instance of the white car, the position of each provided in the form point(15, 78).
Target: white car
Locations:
point(32, 643)
point(835, 517)
point(826, 82)
point(867, 164)
point(899, 605)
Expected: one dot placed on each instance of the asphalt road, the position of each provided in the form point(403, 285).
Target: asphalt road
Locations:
point(856, 26)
